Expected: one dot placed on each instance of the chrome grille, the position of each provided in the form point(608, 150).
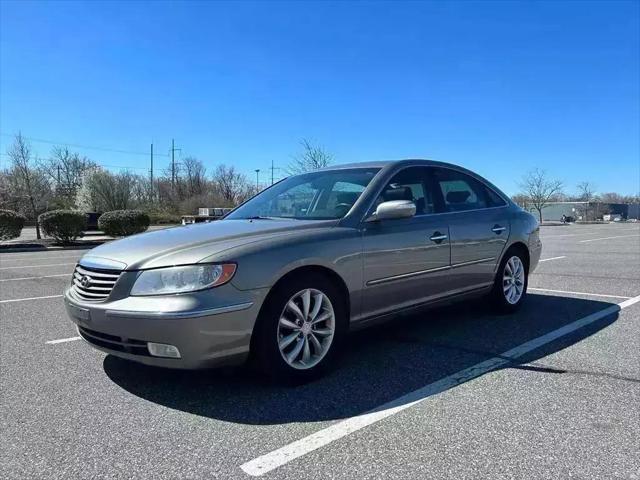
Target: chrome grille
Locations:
point(93, 284)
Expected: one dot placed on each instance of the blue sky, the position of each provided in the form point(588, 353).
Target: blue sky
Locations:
point(497, 87)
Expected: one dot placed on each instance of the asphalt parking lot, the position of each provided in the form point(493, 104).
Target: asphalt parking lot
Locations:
point(456, 392)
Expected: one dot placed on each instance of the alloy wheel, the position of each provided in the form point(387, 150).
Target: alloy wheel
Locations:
point(306, 329)
point(513, 280)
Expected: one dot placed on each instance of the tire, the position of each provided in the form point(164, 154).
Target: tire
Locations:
point(509, 291)
point(313, 340)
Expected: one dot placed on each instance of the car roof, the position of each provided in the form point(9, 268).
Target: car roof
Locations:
point(384, 163)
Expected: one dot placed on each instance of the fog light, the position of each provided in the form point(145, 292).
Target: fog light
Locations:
point(163, 350)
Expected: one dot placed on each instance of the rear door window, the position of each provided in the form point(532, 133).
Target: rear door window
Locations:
point(460, 192)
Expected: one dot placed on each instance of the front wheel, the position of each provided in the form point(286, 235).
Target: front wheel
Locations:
point(510, 286)
point(300, 330)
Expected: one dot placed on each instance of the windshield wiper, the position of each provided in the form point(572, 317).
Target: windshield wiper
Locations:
point(259, 217)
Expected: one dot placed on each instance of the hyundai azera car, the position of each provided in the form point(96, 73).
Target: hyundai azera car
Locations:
point(284, 276)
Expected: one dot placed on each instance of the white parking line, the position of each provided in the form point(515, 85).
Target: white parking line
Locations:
point(37, 266)
point(607, 238)
point(34, 278)
point(4, 260)
point(62, 340)
point(577, 293)
point(581, 234)
point(29, 298)
point(570, 235)
point(552, 258)
point(277, 458)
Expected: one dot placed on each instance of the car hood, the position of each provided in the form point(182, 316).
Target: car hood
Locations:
point(192, 243)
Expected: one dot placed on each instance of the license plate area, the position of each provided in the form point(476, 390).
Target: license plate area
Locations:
point(79, 313)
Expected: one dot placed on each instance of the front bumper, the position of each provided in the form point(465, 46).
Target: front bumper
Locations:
point(209, 328)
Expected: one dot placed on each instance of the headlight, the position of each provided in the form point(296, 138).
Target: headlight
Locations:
point(190, 278)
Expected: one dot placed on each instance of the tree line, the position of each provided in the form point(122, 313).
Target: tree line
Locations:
point(68, 180)
point(538, 189)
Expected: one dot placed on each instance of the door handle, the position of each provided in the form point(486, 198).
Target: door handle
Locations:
point(497, 229)
point(438, 237)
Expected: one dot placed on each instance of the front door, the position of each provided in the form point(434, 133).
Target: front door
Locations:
point(406, 261)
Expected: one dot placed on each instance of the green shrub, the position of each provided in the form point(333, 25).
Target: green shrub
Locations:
point(120, 223)
point(63, 225)
point(11, 224)
point(160, 218)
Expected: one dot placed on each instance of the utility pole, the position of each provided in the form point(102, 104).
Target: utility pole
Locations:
point(273, 169)
point(257, 179)
point(151, 172)
point(173, 164)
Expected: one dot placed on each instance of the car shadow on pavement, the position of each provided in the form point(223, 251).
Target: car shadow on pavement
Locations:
point(380, 363)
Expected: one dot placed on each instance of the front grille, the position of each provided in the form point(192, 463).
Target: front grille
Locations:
point(113, 342)
point(92, 284)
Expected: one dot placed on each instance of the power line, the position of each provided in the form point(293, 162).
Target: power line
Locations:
point(103, 149)
point(102, 165)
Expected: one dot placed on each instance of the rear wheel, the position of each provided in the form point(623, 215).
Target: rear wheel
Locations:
point(300, 329)
point(510, 286)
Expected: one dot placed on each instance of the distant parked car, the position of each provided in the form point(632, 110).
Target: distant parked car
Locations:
point(287, 274)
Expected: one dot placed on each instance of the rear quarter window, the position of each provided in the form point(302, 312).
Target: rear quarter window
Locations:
point(493, 199)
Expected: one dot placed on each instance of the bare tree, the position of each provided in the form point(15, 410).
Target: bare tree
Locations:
point(87, 199)
point(189, 179)
point(540, 189)
point(194, 176)
point(6, 198)
point(26, 178)
point(586, 193)
point(230, 184)
point(312, 157)
point(521, 199)
point(614, 197)
point(118, 191)
point(66, 170)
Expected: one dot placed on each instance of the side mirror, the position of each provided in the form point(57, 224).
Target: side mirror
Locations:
point(393, 209)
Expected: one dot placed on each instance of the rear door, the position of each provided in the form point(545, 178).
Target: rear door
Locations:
point(406, 260)
point(478, 226)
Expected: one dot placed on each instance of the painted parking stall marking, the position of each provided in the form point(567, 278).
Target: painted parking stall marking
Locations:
point(13, 259)
point(34, 278)
point(29, 298)
point(62, 340)
point(587, 294)
point(552, 258)
point(270, 461)
point(607, 238)
point(37, 266)
point(582, 234)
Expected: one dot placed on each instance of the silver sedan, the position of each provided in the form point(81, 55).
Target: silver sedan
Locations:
point(287, 274)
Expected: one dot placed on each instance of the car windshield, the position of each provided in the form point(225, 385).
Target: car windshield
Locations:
point(323, 195)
